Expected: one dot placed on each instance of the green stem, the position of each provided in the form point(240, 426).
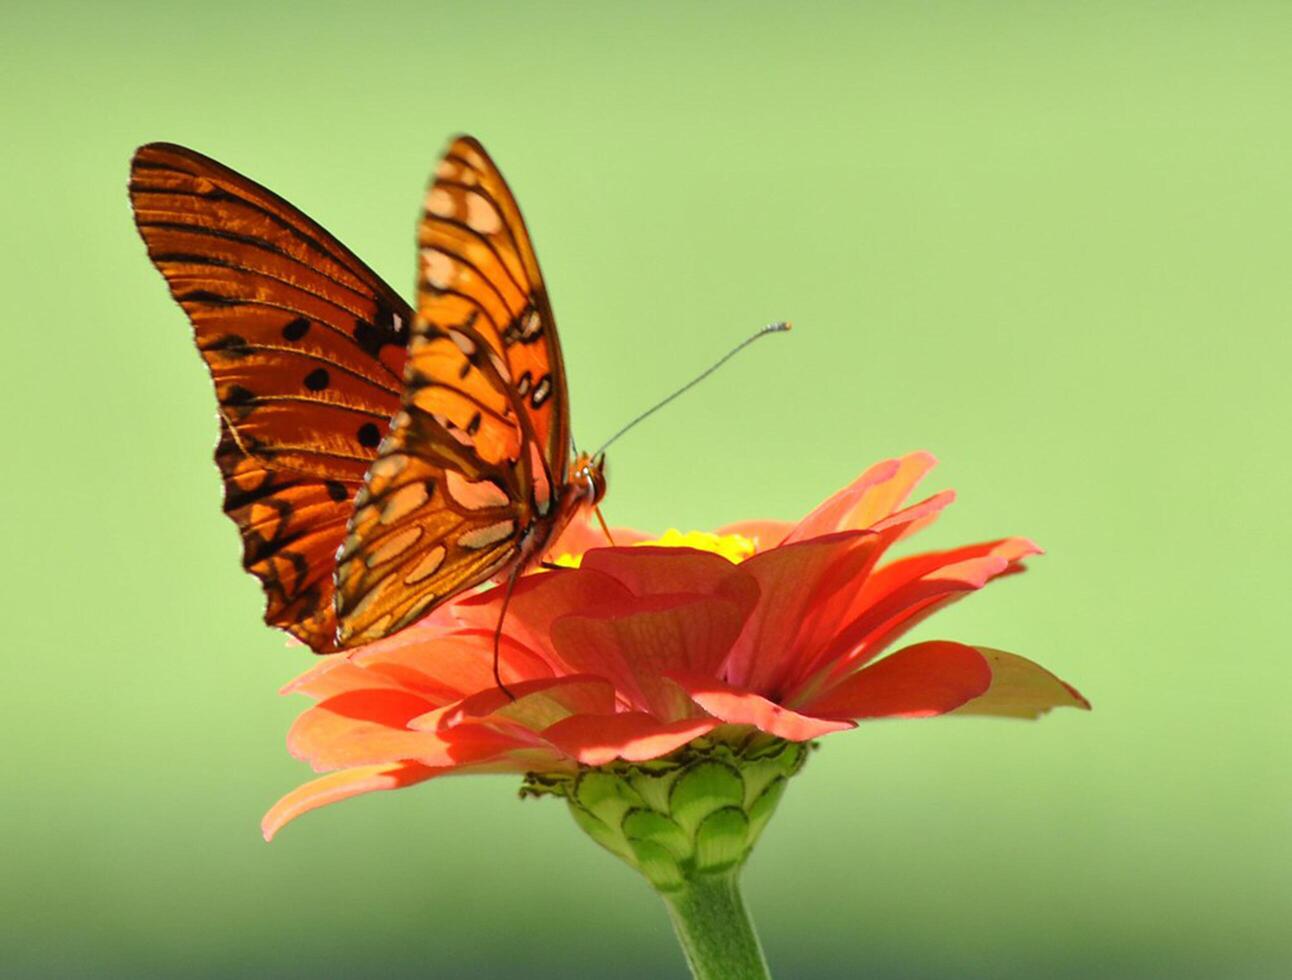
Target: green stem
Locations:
point(714, 929)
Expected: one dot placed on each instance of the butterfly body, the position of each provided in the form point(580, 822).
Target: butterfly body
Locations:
point(378, 458)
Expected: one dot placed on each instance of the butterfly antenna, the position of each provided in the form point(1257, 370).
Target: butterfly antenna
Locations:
point(778, 327)
point(497, 631)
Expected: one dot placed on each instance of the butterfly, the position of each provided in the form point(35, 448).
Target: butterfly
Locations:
point(377, 460)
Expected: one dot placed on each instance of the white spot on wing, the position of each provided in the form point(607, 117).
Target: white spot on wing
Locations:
point(388, 466)
point(428, 566)
point(542, 487)
point(541, 391)
point(394, 546)
point(481, 215)
point(403, 502)
point(439, 202)
point(438, 268)
point(473, 494)
point(482, 537)
point(465, 343)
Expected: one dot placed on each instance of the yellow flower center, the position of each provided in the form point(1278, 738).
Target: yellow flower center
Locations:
point(733, 547)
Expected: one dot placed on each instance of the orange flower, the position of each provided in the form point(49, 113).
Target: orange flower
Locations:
point(766, 630)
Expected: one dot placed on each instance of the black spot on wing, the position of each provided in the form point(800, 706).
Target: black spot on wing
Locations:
point(297, 329)
point(369, 338)
point(386, 328)
point(208, 298)
point(230, 344)
point(237, 396)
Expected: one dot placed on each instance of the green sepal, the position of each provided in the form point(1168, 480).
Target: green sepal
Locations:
point(694, 813)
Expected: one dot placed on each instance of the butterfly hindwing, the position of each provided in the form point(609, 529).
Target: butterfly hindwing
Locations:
point(469, 479)
point(306, 349)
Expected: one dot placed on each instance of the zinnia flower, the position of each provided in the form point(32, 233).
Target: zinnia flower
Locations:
point(669, 692)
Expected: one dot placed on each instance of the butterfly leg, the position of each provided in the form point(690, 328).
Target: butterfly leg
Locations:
point(605, 528)
point(497, 632)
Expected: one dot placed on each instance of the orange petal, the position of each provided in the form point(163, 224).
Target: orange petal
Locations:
point(870, 498)
point(539, 600)
point(446, 667)
point(878, 617)
point(333, 674)
point(1021, 689)
point(674, 571)
point(538, 704)
point(915, 682)
point(631, 735)
point(338, 786)
point(764, 534)
point(738, 707)
point(909, 520)
point(805, 587)
point(893, 575)
point(634, 650)
point(361, 728)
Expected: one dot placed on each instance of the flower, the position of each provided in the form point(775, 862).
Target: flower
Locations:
point(723, 651)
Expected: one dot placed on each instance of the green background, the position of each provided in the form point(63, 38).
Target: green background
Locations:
point(1048, 242)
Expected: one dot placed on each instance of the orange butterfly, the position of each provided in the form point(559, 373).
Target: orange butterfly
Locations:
point(377, 461)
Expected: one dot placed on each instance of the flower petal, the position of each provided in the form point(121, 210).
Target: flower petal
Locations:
point(915, 682)
point(674, 571)
point(764, 534)
point(909, 520)
point(370, 727)
point(538, 704)
point(877, 618)
point(538, 601)
point(334, 674)
point(893, 575)
point(358, 727)
point(1021, 689)
point(874, 495)
point(630, 735)
point(634, 650)
point(737, 707)
point(804, 587)
point(338, 786)
point(446, 667)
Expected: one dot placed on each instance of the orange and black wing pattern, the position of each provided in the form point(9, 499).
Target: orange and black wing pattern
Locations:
point(306, 348)
point(470, 478)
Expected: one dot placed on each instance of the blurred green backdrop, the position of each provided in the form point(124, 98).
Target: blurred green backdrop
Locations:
point(1049, 242)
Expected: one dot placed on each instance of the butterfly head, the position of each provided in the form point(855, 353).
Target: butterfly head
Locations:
point(588, 476)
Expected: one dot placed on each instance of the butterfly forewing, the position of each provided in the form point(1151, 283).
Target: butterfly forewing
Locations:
point(306, 347)
point(469, 479)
